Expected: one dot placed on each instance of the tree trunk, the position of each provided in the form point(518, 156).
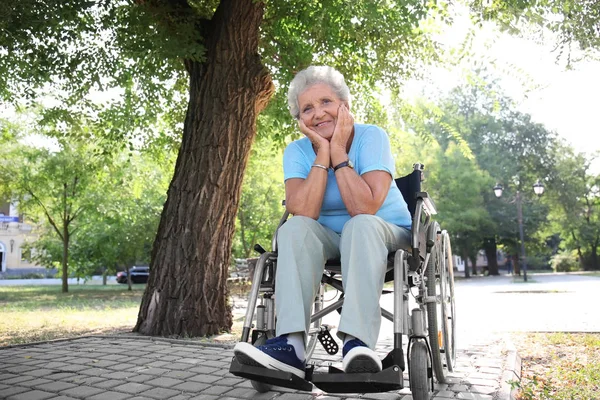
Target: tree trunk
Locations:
point(465, 257)
point(186, 294)
point(474, 265)
point(517, 265)
point(65, 258)
point(128, 269)
point(489, 245)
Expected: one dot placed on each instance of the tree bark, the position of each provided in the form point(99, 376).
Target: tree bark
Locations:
point(65, 258)
point(489, 245)
point(465, 257)
point(186, 293)
point(474, 265)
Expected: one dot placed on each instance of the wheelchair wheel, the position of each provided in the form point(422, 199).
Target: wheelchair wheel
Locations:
point(420, 384)
point(261, 387)
point(436, 275)
point(448, 304)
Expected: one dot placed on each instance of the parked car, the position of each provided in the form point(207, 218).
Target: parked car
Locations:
point(139, 274)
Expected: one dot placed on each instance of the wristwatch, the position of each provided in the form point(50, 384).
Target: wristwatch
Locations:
point(343, 164)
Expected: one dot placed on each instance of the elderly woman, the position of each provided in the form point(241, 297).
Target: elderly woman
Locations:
point(339, 186)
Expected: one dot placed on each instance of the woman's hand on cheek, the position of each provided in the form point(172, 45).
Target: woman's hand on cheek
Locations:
point(343, 127)
point(317, 140)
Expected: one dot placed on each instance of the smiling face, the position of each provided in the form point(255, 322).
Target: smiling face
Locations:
point(319, 109)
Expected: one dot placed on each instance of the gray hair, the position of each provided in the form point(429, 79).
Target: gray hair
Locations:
point(314, 75)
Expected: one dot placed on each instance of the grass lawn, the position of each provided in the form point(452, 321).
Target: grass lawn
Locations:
point(36, 313)
point(558, 365)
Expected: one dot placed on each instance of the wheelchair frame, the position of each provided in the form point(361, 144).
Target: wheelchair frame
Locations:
point(430, 327)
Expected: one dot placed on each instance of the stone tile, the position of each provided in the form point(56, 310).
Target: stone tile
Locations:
point(160, 393)
point(154, 371)
point(108, 384)
point(203, 370)
point(40, 372)
point(109, 396)
point(84, 380)
point(20, 369)
point(216, 389)
point(93, 371)
point(133, 387)
point(81, 392)
point(179, 374)
point(165, 382)
point(194, 387)
point(205, 378)
point(205, 397)
point(5, 376)
point(117, 375)
point(249, 393)
point(32, 395)
point(18, 379)
point(15, 390)
point(55, 386)
point(122, 367)
point(61, 375)
point(35, 382)
point(140, 378)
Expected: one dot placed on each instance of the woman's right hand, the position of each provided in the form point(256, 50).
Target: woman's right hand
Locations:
point(317, 140)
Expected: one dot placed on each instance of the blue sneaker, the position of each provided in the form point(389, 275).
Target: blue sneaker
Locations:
point(275, 354)
point(358, 357)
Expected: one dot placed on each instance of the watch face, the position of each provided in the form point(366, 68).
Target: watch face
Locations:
point(350, 164)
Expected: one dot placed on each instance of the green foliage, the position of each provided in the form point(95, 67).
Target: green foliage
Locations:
point(574, 21)
point(573, 192)
point(565, 262)
point(262, 193)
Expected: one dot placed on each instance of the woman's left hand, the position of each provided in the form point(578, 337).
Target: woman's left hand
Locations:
point(343, 127)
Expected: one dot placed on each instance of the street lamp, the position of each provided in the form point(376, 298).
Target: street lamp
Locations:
point(538, 188)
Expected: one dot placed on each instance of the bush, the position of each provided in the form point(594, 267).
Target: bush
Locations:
point(565, 262)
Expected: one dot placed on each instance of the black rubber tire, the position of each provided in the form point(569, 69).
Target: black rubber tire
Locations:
point(420, 383)
point(261, 387)
point(435, 276)
point(448, 304)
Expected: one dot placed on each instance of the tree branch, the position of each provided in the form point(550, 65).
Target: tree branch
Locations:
point(50, 219)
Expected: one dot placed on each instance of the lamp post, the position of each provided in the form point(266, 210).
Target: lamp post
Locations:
point(538, 188)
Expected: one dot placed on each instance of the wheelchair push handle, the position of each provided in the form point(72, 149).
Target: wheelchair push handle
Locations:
point(259, 249)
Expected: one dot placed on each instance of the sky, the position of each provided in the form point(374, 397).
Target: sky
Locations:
point(564, 100)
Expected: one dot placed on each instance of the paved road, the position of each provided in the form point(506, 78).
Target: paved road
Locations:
point(94, 280)
point(136, 368)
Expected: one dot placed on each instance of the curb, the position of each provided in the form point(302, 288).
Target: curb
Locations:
point(511, 377)
point(126, 336)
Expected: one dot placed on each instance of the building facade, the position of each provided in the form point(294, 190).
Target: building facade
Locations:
point(14, 233)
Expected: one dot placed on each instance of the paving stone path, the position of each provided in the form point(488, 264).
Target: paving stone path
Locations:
point(136, 368)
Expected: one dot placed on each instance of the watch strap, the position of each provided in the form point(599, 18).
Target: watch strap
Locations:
point(342, 165)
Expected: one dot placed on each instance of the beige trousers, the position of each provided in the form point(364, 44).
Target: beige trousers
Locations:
point(304, 245)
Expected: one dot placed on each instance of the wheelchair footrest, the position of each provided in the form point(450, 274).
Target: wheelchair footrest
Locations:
point(336, 381)
point(272, 377)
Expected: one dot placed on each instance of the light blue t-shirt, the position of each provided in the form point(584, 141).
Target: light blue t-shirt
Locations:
point(370, 151)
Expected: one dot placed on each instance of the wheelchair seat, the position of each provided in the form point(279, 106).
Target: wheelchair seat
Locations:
point(410, 186)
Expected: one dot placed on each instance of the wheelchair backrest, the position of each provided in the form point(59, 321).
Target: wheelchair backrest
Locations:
point(410, 185)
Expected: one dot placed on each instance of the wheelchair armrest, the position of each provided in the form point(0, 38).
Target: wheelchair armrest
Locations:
point(428, 203)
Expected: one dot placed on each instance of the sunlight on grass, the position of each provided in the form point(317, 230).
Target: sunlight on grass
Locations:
point(37, 313)
point(559, 365)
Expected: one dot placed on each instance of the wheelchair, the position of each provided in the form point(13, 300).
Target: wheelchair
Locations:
point(423, 311)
